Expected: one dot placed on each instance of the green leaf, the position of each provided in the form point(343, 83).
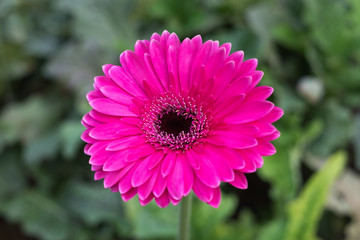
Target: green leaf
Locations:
point(92, 203)
point(70, 132)
point(273, 230)
point(207, 221)
point(40, 216)
point(28, 120)
point(151, 221)
point(304, 213)
point(338, 128)
point(42, 148)
point(10, 172)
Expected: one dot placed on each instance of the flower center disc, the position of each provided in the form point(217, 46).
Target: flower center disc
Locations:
point(173, 123)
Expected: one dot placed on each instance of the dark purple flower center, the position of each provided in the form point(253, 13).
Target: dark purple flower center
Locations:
point(173, 123)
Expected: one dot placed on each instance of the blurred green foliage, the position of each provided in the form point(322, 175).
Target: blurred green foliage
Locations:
point(51, 50)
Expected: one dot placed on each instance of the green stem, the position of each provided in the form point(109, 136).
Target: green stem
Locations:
point(185, 218)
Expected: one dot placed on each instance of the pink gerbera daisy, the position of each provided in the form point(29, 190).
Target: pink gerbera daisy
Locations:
point(178, 116)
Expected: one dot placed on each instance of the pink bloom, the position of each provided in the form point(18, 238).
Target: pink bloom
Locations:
point(178, 116)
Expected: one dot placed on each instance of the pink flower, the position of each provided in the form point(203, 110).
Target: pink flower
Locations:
point(178, 116)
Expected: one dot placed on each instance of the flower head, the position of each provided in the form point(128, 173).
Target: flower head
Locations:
point(178, 116)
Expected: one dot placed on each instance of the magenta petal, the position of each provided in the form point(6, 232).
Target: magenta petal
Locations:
point(103, 117)
point(223, 78)
point(100, 157)
point(247, 66)
point(129, 194)
point(207, 172)
point(186, 53)
point(225, 108)
point(100, 145)
point(96, 167)
point(156, 158)
point(89, 120)
point(238, 58)
point(112, 131)
point(233, 158)
point(256, 77)
point(274, 115)
point(188, 176)
point(172, 60)
point(163, 201)
point(94, 95)
point(168, 163)
point(174, 201)
point(193, 159)
point(175, 183)
point(142, 173)
point(240, 180)
point(265, 148)
point(252, 159)
point(156, 82)
point(86, 138)
point(249, 111)
point(259, 93)
point(238, 86)
point(197, 41)
point(112, 178)
point(125, 142)
point(212, 66)
point(145, 189)
point(232, 140)
point(106, 69)
point(115, 162)
point(126, 82)
point(158, 58)
point(160, 185)
point(264, 129)
point(146, 201)
point(202, 191)
point(215, 201)
point(155, 36)
point(272, 136)
point(215, 156)
point(107, 106)
point(117, 95)
point(173, 41)
point(141, 47)
point(201, 57)
point(125, 181)
point(227, 46)
point(164, 38)
point(99, 175)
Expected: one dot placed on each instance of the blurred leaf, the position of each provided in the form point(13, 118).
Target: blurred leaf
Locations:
point(27, 120)
point(274, 230)
point(328, 22)
point(12, 179)
point(92, 203)
point(337, 128)
point(42, 148)
point(207, 221)
point(245, 226)
point(106, 24)
point(305, 211)
point(151, 221)
point(70, 132)
point(39, 216)
point(185, 16)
